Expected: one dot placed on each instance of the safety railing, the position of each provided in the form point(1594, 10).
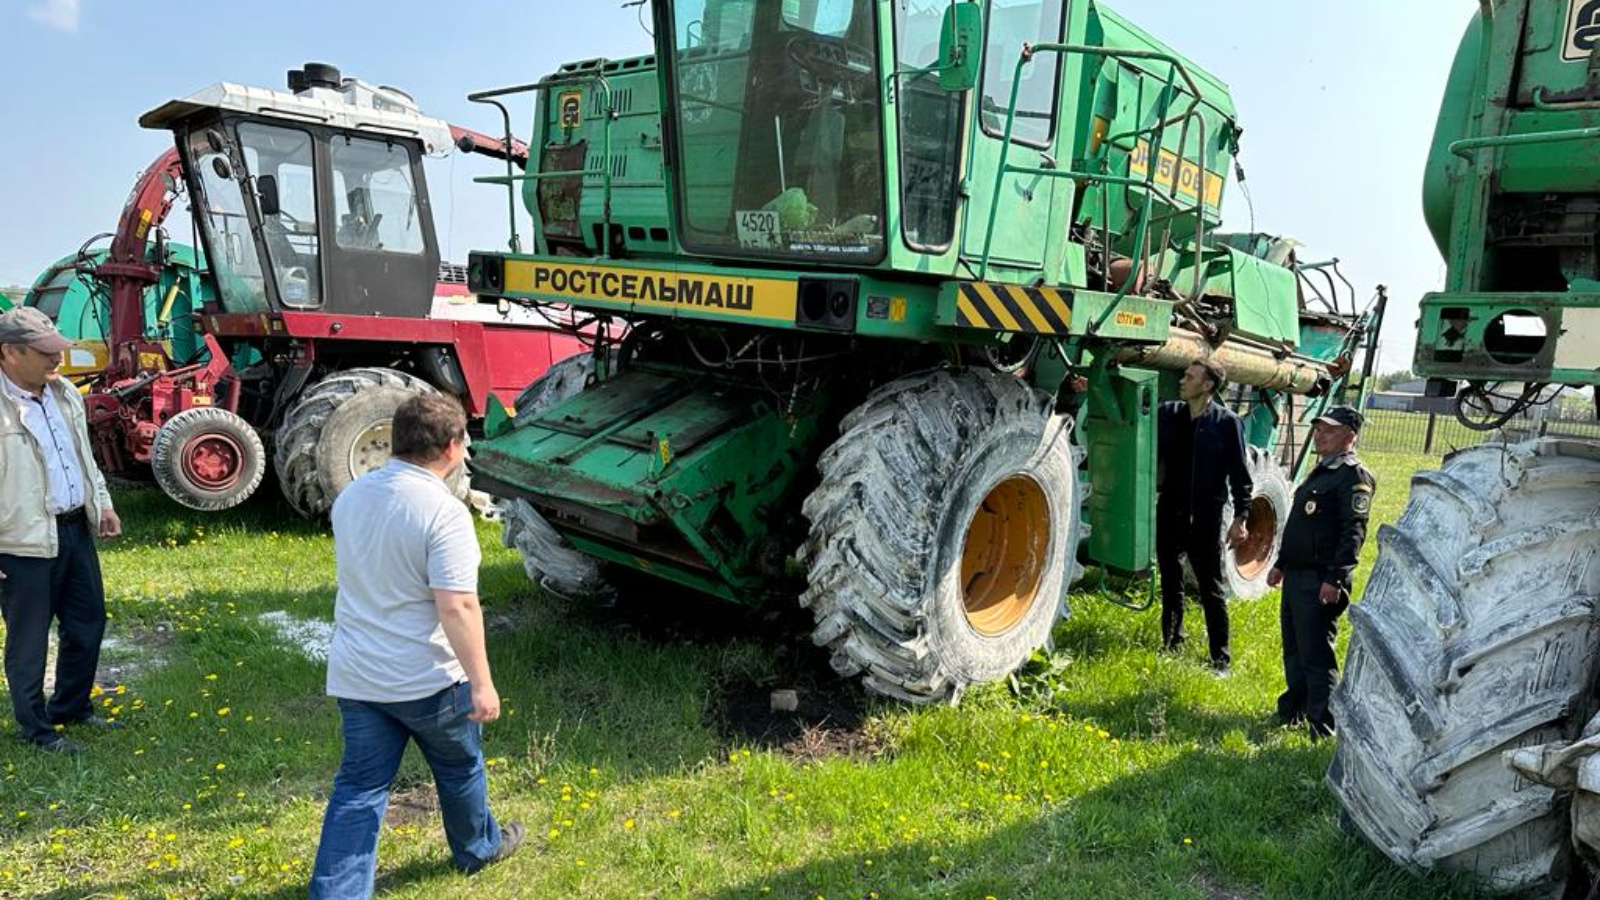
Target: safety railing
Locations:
point(1155, 134)
point(579, 79)
point(1467, 147)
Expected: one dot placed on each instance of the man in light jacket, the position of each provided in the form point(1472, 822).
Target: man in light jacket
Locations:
point(53, 503)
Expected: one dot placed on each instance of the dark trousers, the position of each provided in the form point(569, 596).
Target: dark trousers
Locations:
point(1181, 534)
point(1310, 668)
point(67, 589)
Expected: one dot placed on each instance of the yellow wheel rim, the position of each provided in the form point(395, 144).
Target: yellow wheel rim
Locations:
point(1003, 558)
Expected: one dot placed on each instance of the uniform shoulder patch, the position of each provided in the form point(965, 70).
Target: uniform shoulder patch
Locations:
point(1361, 499)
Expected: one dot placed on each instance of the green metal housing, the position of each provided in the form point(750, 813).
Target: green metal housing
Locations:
point(789, 210)
point(1512, 196)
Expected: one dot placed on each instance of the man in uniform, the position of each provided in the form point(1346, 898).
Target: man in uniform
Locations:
point(1200, 449)
point(1321, 543)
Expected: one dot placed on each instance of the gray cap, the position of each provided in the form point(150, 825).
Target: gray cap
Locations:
point(26, 325)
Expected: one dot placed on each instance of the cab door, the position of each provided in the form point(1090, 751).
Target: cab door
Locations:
point(1022, 225)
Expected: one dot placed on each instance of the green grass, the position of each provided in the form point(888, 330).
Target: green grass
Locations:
point(1113, 772)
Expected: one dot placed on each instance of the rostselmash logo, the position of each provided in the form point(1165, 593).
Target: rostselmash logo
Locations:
point(1583, 30)
point(643, 287)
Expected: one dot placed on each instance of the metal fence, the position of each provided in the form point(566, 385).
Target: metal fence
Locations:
point(1436, 434)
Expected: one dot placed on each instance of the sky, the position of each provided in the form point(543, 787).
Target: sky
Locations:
point(1337, 100)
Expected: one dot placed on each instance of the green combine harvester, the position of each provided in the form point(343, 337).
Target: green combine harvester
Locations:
point(1467, 717)
point(882, 299)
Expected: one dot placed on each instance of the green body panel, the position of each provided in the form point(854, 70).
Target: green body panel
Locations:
point(1445, 169)
point(80, 311)
point(1264, 294)
point(1261, 422)
point(573, 121)
point(1513, 185)
point(1119, 433)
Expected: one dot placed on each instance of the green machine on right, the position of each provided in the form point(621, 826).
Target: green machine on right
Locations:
point(1467, 716)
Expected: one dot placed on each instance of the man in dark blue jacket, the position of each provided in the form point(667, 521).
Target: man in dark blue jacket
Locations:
point(1201, 455)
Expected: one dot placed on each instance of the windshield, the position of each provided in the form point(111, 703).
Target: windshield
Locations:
point(779, 126)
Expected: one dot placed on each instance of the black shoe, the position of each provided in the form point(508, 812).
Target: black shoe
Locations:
point(59, 745)
point(511, 835)
point(1221, 670)
point(99, 723)
point(1320, 730)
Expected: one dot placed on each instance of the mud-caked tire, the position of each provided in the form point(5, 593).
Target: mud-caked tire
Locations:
point(1477, 633)
point(550, 561)
point(208, 459)
point(1245, 568)
point(338, 430)
point(943, 533)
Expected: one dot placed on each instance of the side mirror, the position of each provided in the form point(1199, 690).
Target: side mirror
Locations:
point(267, 195)
point(960, 43)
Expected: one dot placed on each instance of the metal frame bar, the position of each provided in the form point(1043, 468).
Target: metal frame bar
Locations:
point(578, 79)
point(1103, 180)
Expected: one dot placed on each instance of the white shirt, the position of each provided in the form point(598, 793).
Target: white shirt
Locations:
point(50, 428)
point(398, 536)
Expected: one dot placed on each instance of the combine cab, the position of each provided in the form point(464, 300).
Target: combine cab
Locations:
point(898, 323)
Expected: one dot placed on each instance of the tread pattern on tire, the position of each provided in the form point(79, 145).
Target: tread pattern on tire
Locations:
point(295, 447)
point(895, 460)
point(164, 462)
point(1477, 634)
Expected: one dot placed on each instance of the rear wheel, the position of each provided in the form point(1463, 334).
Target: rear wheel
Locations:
point(208, 459)
point(1477, 634)
point(339, 430)
point(550, 561)
point(1245, 567)
point(943, 533)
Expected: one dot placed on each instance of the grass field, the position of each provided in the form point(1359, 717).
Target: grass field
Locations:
point(638, 748)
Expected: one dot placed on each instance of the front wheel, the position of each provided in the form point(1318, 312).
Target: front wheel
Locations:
point(943, 533)
point(208, 459)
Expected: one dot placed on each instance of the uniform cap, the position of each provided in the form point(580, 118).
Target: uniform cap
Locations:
point(1343, 415)
point(27, 325)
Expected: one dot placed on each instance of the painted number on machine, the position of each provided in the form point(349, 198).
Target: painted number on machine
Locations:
point(758, 230)
point(1132, 320)
point(1185, 179)
point(571, 105)
point(1583, 30)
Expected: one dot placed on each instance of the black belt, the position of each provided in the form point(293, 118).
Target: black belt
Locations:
point(72, 516)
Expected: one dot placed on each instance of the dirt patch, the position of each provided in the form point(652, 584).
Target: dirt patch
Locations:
point(417, 804)
point(124, 656)
point(829, 720)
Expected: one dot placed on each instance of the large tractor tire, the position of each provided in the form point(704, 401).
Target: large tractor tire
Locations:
point(552, 563)
point(208, 459)
point(340, 429)
point(1245, 568)
point(1477, 634)
point(944, 532)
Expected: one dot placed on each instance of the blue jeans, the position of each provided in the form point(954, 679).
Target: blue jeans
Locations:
point(375, 737)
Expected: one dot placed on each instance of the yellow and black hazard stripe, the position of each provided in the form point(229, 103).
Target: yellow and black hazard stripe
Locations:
point(1013, 307)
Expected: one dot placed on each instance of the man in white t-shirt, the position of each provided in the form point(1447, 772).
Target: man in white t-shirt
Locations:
point(408, 661)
